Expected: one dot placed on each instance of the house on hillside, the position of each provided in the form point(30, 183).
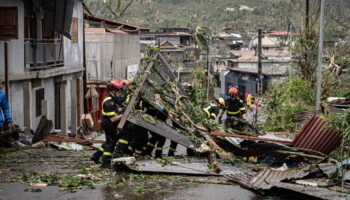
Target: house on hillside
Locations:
point(267, 43)
point(41, 60)
point(248, 79)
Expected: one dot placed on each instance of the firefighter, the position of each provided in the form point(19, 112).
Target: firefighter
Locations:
point(235, 108)
point(213, 109)
point(133, 139)
point(109, 122)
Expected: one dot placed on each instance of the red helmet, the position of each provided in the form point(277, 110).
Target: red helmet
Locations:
point(232, 91)
point(126, 83)
point(114, 85)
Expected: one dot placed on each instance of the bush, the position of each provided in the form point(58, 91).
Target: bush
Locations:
point(284, 100)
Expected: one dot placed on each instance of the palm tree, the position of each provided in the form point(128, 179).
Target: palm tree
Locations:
point(202, 37)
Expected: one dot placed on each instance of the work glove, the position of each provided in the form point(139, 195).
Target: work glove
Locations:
point(220, 120)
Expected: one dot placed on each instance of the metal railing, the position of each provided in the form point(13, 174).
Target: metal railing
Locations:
point(41, 54)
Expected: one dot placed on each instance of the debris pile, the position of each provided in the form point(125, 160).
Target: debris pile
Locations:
point(256, 160)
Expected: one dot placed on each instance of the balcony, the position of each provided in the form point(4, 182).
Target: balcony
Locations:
point(43, 54)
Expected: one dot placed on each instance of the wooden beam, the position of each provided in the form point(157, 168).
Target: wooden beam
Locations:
point(133, 98)
point(250, 137)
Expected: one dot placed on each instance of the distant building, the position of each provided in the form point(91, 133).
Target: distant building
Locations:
point(41, 56)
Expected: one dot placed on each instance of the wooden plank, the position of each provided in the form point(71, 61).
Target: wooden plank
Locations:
point(250, 137)
point(161, 128)
point(133, 98)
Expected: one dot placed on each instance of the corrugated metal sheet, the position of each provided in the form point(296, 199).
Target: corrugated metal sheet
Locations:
point(314, 136)
point(318, 192)
point(267, 178)
point(242, 178)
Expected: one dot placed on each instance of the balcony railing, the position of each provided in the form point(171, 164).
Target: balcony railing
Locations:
point(41, 54)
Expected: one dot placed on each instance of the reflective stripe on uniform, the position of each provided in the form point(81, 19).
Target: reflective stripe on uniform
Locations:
point(214, 115)
point(159, 148)
point(150, 144)
point(107, 153)
point(123, 141)
point(243, 108)
point(207, 110)
point(107, 113)
point(138, 151)
point(172, 149)
point(233, 113)
point(101, 149)
point(127, 99)
point(130, 148)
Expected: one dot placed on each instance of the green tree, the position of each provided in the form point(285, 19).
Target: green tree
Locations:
point(116, 7)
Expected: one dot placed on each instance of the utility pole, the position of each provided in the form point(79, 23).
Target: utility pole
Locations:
point(320, 55)
point(260, 62)
point(307, 14)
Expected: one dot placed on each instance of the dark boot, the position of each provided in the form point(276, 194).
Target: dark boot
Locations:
point(159, 152)
point(97, 155)
point(106, 161)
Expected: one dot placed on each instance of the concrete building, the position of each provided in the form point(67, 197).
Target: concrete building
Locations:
point(41, 60)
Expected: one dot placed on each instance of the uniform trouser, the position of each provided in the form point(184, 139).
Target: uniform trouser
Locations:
point(231, 123)
point(156, 141)
point(139, 139)
point(111, 140)
point(172, 148)
point(123, 142)
point(111, 136)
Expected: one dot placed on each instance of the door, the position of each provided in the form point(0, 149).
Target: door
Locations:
point(57, 106)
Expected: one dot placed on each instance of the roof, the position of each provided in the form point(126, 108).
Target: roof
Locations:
point(281, 33)
point(316, 137)
point(266, 42)
point(253, 53)
point(102, 31)
point(124, 26)
point(179, 34)
point(266, 70)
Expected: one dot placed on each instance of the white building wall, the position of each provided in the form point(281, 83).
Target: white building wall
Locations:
point(73, 57)
point(127, 52)
point(73, 52)
point(15, 47)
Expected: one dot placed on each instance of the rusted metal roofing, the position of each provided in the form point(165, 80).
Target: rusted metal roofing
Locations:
point(265, 179)
point(124, 26)
point(314, 136)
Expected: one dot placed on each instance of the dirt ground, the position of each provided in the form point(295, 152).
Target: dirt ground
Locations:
point(71, 175)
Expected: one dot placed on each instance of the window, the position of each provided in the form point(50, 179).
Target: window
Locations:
point(39, 96)
point(74, 30)
point(8, 23)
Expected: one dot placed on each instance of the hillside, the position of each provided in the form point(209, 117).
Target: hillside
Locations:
point(243, 15)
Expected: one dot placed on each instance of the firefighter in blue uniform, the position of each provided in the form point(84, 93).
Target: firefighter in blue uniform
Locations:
point(109, 122)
